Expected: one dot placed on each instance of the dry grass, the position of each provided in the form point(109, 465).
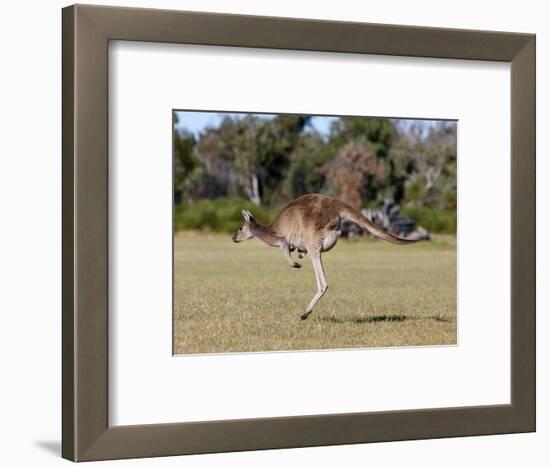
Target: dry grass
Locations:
point(244, 297)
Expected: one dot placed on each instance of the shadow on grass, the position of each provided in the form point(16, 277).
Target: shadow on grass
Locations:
point(378, 318)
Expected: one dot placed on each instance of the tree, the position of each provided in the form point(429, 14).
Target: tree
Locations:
point(276, 141)
point(347, 172)
point(270, 160)
point(424, 158)
point(184, 161)
point(379, 132)
point(304, 173)
point(376, 135)
point(251, 154)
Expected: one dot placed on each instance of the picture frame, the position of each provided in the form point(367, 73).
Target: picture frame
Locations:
point(86, 433)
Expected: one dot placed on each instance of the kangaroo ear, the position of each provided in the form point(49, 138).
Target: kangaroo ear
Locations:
point(246, 215)
point(250, 216)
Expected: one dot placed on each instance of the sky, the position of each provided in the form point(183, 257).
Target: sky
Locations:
point(198, 121)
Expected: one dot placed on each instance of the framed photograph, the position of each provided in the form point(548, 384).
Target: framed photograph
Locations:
point(297, 183)
point(284, 233)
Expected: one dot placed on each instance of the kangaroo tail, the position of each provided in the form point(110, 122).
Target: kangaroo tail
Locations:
point(355, 216)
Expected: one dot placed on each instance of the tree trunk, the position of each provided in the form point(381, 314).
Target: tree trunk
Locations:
point(254, 193)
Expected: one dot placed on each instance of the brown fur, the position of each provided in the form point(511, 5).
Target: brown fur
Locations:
point(308, 218)
point(310, 223)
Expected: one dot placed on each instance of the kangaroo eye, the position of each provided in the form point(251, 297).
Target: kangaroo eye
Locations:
point(241, 229)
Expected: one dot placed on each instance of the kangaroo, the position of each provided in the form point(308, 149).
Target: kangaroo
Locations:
point(310, 224)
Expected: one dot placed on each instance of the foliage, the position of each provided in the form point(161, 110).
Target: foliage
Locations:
point(222, 214)
point(425, 164)
point(184, 161)
point(250, 156)
point(305, 173)
point(264, 162)
point(433, 219)
point(349, 171)
point(380, 132)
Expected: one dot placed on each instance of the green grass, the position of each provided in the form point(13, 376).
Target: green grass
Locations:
point(244, 297)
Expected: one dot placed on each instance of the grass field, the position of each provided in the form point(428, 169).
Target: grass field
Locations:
point(244, 297)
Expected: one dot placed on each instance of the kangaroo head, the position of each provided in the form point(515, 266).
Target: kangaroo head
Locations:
point(244, 232)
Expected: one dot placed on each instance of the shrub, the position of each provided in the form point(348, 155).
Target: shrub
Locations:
point(433, 219)
point(222, 214)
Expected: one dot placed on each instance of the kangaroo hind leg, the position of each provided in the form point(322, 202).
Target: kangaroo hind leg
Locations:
point(322, 285)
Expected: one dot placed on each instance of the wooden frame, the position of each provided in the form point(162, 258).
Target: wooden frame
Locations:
point(86, 432)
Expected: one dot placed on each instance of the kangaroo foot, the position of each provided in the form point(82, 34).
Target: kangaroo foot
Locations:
point(296, 265)
point(304, 316)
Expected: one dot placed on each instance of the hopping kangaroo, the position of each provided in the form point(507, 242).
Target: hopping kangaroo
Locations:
point(309, 224)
